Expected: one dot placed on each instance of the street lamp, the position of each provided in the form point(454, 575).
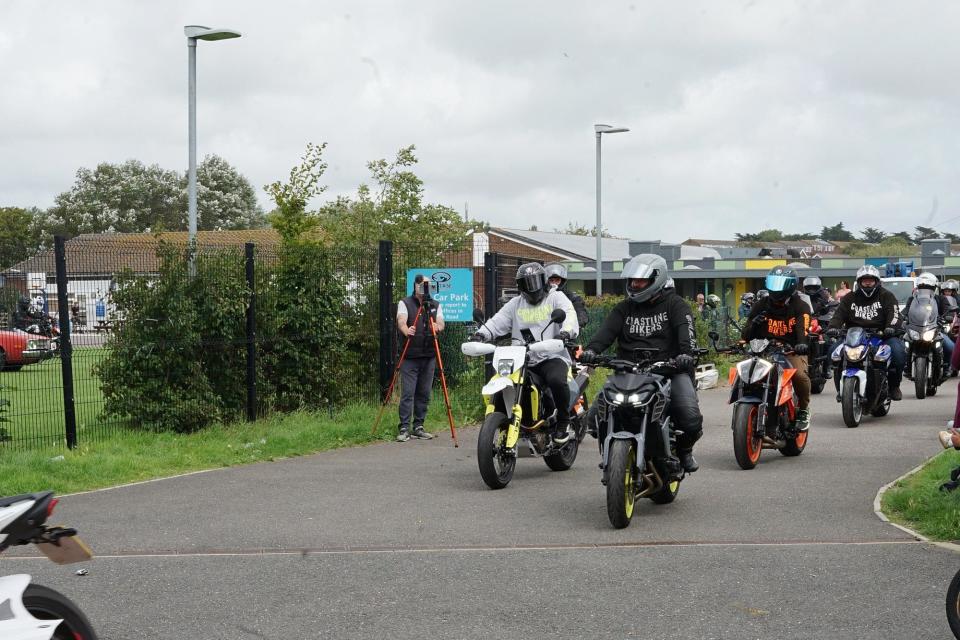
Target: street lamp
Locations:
point(196, 32)
point(600, 129)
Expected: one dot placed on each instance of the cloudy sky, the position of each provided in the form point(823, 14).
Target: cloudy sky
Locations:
point(743, 115)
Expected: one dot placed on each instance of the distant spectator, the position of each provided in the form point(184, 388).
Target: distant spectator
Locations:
point(843, 290)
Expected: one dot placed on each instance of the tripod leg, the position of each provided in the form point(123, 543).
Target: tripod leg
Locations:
point(393, 381)
point(443, 382)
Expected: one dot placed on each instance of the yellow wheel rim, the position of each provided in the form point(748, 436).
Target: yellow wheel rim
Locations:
point(628, 484)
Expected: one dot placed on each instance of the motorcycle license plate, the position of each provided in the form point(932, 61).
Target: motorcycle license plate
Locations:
point(71, 549)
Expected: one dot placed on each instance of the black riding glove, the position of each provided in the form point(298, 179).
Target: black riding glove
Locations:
point(477, 337)
point(587, 357)
point(801, 349)
point(685, 362)
point(564, 335)
point(889, 332)
point(833, 332)
point(758, 320)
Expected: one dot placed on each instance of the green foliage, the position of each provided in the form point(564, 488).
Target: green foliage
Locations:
point(836, 232)
point(225, 198)
point(892, 246)
point(578, 229)
point(872, 235)
point(916, 501)
point(19, 234)
point(4, 409)
point(290, 218)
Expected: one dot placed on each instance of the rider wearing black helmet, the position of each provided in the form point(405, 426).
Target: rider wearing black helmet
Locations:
point(873, 307)
point(783, 316)
point(746, 301)
point(653, 316)
point(531, 311)
point(23, 317)
point(557, 277)
point(819, 297)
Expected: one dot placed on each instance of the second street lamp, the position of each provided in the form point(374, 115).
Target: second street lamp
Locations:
point(599, 130)
point(194, 33)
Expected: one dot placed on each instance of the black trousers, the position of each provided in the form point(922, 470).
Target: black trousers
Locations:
point(554, 374)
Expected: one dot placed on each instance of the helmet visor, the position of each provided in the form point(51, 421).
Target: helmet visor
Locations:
point(530, 282)
point(775, 283)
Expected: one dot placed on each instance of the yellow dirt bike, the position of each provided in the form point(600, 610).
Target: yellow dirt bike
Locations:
point(520, 410)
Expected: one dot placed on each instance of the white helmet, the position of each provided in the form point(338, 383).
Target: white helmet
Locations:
point(926, 280)
point(868, 271)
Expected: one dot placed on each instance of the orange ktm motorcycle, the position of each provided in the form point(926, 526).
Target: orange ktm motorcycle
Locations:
point(764, 403)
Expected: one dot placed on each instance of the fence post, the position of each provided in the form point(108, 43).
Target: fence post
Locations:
point(251, 335)
point(489, 283)
point(66, 346)
point(387, 323)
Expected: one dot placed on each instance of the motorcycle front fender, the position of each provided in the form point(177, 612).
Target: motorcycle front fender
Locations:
point(860, 375)
point(20, 624)
point(622, 435)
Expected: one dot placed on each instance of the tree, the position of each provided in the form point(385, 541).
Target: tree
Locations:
point(873, 236)
point(19, 235)
point(924, 233)
point(225, 198)
point(766, 235)
point(577, 229)
point(892, 246)
point(903, 235)
point(836, 232)
point(290, 218)
point(796, 237)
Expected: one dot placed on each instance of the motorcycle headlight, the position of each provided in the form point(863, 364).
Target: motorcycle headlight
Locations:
point(615, 397)
point(504, 367)
point(856, 353)
point(760, 371)
point(928, 336)
point(914, 335)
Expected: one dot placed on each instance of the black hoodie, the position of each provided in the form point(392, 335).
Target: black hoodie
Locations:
point(665, 323)
point(879, 311)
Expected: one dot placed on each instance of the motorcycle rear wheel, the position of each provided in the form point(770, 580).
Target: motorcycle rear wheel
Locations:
point(44, 603)
point(746, 445)
point(850, 403)
point(920, 376)
point(496, 467)
point(953, 605)
point(795, 446)
point(563, 459)
point(621, 483)
point(817, 386)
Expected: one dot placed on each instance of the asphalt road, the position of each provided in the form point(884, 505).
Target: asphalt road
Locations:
point(405, 541)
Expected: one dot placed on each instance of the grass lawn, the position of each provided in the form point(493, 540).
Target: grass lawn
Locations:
point(130, 456)
point(917, 503)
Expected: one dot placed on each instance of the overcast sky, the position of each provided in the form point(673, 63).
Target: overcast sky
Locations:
point(743, 115)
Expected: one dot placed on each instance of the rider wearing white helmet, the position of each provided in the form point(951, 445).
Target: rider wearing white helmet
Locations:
point(926, 281)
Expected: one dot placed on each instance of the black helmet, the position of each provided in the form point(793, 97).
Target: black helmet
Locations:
point(556, 270)
point(763, 293)
point(747, 298)
point(23, 303)
point(532, 282)
point(781, 282)
point(646, 266)
point(812, 284)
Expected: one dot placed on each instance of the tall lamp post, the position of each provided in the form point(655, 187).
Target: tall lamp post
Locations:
point(196, 32)
point(599, 130)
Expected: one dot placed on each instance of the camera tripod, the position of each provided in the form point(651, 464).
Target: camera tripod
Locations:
point(431, 323)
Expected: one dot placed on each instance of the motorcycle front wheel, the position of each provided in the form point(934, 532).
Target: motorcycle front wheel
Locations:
point(44, 603)
point(920, 376)
point(850, 403)
point(746, 444)
point(621, 482)
point(953, 605)
point(495, 462)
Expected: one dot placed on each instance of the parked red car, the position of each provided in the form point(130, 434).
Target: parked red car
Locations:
point(18, 348)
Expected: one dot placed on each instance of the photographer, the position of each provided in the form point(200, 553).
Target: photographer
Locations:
point(417, 368)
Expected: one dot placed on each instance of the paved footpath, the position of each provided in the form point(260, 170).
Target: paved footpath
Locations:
point(405, 541)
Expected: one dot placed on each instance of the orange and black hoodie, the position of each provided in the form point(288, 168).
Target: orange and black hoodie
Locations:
point(787, 323)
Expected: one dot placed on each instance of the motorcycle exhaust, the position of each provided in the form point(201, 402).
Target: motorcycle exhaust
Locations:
point(770, 443)
point(653, 481)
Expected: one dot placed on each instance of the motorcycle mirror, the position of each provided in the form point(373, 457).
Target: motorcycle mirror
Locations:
point(558, 316)
point(478, 316)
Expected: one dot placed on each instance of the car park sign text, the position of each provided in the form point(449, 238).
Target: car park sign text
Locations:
point(452, 288)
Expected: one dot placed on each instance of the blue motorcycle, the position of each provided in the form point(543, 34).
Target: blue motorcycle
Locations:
point(862, 361)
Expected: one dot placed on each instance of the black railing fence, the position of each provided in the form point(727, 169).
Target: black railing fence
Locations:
point(144, 333)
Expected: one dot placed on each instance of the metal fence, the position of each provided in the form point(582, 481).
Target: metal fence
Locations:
point(152, 336)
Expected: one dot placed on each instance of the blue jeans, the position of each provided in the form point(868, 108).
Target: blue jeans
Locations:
point(898, 358)
point(947, 348)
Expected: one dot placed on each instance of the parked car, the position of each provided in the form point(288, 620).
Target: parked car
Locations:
point(18, 348)
point(901, 287)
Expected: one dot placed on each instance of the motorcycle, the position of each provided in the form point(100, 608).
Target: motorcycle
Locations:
point(638, 444)
point(30, 611)
point(953, 605)
point(764, 402)
point(862, 361)
point(924, 345)
point(519, 408)
point(819, 369)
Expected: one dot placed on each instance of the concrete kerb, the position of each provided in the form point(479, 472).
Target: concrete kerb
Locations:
point(950, 546)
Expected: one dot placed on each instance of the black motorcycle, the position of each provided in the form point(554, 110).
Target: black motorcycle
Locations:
point(638, 443)
point(927, 366)
point(820, 367)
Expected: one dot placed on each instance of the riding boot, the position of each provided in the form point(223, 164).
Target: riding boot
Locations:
point(687, 461)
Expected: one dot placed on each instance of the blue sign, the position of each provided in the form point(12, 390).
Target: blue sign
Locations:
point(452, 288)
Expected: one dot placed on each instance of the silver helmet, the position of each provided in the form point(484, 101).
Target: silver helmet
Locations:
point(926, 280)
point(951, 285)
point(812, 284)
point(670, 284)
point(868, 271)
point(556, 270)
point(646, 266)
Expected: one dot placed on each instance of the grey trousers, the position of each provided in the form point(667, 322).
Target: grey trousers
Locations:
point(416, 375)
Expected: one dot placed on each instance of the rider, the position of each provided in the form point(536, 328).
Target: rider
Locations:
point(653, 316)
point(531, 311)
point(761, 294)
point(24, 316)
point(949, 291)
point(746, 301)
point(819, 296)
point(926, 281)
point(557, 277)
point(872, 307)
point(785, 317)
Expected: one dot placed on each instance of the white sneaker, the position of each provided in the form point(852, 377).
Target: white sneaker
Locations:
point(949, 424)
